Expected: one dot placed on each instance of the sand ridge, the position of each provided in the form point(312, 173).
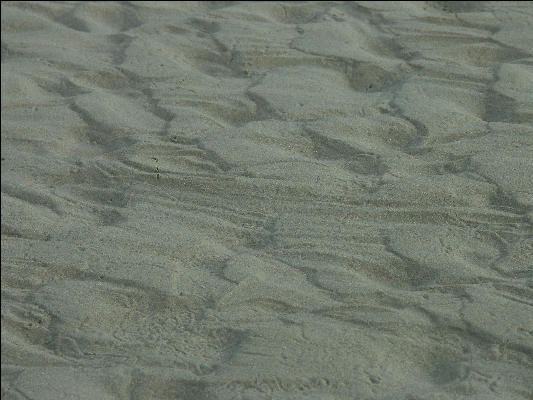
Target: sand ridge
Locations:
point(272, 200)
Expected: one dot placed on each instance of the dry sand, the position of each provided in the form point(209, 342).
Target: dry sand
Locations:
point(267, 201)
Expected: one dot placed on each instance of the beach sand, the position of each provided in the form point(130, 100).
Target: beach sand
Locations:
point(301, 200)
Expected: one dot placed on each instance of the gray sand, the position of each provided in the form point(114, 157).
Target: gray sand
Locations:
point(267, 201)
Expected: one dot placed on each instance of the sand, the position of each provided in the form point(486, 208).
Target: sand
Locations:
point(313, 200)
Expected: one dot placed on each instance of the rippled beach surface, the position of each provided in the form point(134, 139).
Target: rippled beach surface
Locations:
point(271, 200)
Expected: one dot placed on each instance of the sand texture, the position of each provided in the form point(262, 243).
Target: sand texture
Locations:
point(300, 200)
